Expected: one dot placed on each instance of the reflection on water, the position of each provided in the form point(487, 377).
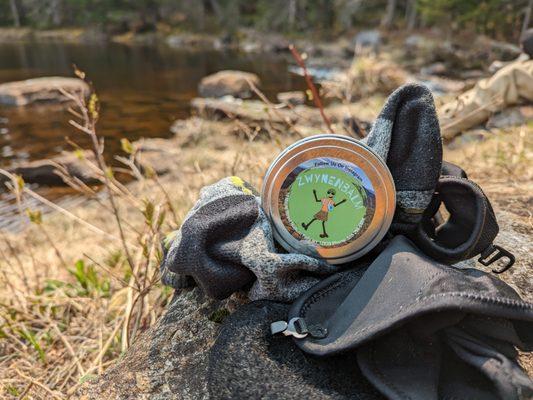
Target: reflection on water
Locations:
point(142, 90)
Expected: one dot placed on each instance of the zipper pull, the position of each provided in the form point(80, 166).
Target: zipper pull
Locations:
point(295, 327)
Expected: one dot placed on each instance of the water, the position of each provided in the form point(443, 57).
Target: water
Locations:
point(142, 90)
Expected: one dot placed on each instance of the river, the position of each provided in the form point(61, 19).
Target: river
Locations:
point(142, 90)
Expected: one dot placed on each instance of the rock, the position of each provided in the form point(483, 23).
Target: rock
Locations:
point(41, 90)
point(228, 107)
point(191, 41)
point(292, 98)
point(438, 68)
point(254, 41)
point(319, 73)
point(473, 74)
point(470, 136)
point(59, 35)
point(414, 42)
point(258, 114)
point(439, 85)
point(45, 172)
point(515, 236)
point(9, 35)
point(367, 41)
point(223, 83)
point(500, 50)
point(509, 117)
point(169, 360)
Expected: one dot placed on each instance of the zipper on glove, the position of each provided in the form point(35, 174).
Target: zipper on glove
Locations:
point(298, 328)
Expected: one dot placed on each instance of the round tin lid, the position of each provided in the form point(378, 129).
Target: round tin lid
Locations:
point(330, 197)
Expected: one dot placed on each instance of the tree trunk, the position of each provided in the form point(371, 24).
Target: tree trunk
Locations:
point(57, 15)
point(410, 14)
point(292, 14)
point(15, 13)
point(217, 10)
point(387, 19)
point(527, 17)
point(346, 9)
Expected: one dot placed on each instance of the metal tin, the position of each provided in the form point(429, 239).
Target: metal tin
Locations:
point(330, 197)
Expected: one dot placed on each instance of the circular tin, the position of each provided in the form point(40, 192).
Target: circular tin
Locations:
point(329, 197)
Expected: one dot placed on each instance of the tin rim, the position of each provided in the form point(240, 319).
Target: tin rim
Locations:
point(352, 151)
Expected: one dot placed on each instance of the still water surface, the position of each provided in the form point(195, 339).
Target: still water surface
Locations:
point(142, 90)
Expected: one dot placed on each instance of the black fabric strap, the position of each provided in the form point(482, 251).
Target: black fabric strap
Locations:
point(471, 227)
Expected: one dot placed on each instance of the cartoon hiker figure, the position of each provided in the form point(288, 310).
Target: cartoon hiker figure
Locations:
point(328, 204)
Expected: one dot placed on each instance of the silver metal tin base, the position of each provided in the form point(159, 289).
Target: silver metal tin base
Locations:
point(330, 197)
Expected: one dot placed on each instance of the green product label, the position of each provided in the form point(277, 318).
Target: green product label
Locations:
point(327, 201)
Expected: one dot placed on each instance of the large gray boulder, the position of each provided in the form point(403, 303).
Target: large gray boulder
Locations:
point(169, 361)
point(41, 90)
point(224, 83)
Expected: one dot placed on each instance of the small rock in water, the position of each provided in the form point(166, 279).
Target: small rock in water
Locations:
point(45, 172)
point(191, 41)
point(293, 98)
point(223, 83)
point(41, 90)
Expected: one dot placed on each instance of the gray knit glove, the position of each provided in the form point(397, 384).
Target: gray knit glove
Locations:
point(225, 244)
point(406, 135)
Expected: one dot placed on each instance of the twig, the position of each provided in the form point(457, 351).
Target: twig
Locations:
point(89, 128)
point(68, 346)
point(37, 383)
point(272, 107)
point(62, 210)
point(122, 281)
point(311, 86)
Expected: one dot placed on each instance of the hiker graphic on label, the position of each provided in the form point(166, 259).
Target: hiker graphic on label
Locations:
point(328, 205)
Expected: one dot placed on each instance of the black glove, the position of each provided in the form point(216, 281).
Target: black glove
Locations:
point(421, 329)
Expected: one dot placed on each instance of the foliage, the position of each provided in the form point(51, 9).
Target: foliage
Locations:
point(88, 281)
point(497, 17)
point(491, 17)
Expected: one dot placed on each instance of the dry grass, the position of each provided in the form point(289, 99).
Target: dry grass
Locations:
point(366, 76)
point(501, 162)
point(75, 292)
point(79, 285)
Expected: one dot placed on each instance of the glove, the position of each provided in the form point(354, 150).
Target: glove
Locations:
point(225, 245)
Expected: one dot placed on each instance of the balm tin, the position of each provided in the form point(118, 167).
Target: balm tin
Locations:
point(329, 197)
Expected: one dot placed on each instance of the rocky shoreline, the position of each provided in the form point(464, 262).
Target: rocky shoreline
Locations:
point(225, 102)
point(428, 48)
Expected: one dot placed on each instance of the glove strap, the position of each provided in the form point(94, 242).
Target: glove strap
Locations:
point(470, 229)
